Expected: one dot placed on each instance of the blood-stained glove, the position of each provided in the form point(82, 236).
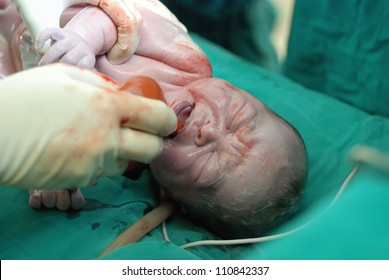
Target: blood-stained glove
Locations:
point(63, 127)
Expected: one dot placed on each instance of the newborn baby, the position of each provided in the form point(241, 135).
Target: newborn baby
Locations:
point(235, 166)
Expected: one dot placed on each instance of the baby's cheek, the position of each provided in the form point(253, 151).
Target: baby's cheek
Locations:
point(160, 174)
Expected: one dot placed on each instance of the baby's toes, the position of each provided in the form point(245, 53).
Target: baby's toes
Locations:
point(35, 199)
point(77, 199)
point(48, 198)
point(42, 198)
point(63, 199)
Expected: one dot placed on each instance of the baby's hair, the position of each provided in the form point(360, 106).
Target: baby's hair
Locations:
point(281, 202)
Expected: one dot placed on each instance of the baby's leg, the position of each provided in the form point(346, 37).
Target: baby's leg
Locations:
point(63, 199)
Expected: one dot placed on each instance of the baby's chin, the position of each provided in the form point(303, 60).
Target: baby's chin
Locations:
point(167, 169)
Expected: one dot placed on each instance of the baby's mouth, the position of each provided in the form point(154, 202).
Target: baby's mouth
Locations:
point(183, 111)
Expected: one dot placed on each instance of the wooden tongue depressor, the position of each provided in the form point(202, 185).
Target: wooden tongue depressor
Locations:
point(141, 227)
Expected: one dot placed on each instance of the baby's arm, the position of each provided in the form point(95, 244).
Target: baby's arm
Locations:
point(89, 33)
point(174, 47)
point(166, 52)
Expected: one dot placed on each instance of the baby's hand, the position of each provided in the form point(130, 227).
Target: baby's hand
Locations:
point(66, 47)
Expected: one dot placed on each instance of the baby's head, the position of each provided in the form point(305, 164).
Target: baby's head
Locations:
point(235, 166)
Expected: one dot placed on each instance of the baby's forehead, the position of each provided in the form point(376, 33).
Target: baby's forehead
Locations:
point(259, 118)
point(223, 89)
point(217, 84)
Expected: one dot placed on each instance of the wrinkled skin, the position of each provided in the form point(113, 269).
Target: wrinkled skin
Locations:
point(228, 138)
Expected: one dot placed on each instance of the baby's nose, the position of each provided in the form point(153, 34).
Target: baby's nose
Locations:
point(208, 133)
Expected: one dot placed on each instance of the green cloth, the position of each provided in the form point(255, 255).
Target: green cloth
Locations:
point(355, 227)
point(341, 48)
point(329, 127)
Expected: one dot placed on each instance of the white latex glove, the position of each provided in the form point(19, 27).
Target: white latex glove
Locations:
point(63, 127)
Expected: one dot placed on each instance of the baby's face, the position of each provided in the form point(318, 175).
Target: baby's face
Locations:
point(229, 141)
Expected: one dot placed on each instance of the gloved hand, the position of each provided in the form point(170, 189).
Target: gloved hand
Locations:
point(63, 127)
point(66, 47)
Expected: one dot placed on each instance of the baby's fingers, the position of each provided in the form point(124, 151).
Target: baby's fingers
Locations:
point(54, 53)
point(54, 34)
point(87, 62)
point(139, 146)
point(79, 58)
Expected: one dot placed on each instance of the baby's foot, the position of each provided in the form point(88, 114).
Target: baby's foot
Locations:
point(60, 199)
